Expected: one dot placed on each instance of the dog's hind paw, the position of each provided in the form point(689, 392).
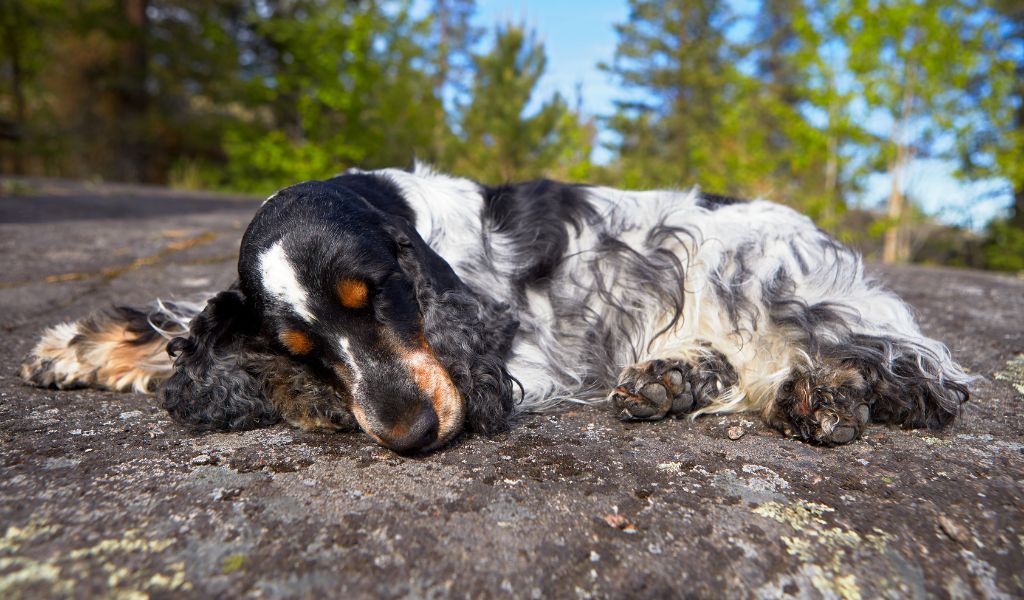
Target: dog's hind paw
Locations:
point(104, 351)
point(54, 361)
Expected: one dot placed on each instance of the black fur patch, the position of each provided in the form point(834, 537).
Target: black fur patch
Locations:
point(217, 384)
point(536, 218)
point(731, 280)
point(232, 372)
point(715, 201)
point(905, 384)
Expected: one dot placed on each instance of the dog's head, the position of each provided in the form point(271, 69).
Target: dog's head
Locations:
point(342, 311)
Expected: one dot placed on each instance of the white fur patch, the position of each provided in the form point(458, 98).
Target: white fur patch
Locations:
point(346, 352)
point(281, 282)
point(55, 354)
point(447, 211)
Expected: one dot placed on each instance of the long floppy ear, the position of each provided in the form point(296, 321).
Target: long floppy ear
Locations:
point(429, 271)
point(216, 383)
point(469, 333)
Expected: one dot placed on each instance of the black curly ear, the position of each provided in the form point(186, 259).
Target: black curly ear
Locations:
point(472, 337)
point(216, 383)
point(470, 333)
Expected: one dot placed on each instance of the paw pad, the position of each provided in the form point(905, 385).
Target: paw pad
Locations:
point(653, 390)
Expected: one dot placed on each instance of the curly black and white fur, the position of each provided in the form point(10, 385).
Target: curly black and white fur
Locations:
point(414, 304)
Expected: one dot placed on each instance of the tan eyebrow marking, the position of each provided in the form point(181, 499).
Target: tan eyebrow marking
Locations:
point(352, 293)
point(296, 341)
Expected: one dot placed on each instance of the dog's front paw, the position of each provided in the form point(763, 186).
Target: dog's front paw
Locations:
point(825, 405)
point(657, 388)
point(651, 390)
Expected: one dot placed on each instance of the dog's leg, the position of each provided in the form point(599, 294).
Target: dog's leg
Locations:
point(122, 350)
point(654, 389)
point(826, 403)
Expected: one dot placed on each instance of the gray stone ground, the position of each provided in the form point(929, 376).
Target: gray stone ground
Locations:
point(101, 495)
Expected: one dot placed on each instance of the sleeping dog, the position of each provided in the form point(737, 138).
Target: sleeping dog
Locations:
point(414, 305)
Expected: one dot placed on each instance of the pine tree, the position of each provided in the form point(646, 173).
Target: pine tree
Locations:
point(501, 141)
point(454, 38)
point(757, 116)
point(674, 56)
point(344, 85)
point(910, 60)
point(827, 136)
point(794, 153)
point(991, 143)
point(23, 56)
point(95, 75)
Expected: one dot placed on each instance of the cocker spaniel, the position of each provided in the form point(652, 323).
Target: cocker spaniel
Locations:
point(414, 305)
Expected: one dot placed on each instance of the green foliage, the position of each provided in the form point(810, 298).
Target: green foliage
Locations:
point(1004, 248)
point(991, 142)
point(500, 141)
point(792, 100)
point(704, 118)
point(910, 61)
point(337, 87)
point(25, 28)
point(268, 161)
point(674, 59)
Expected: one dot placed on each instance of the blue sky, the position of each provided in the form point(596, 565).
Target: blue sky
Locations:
point(577, 35)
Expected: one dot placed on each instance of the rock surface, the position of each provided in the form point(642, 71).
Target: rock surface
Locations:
point(100, 494)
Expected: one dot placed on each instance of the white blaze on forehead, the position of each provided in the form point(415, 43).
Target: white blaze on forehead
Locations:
point(280, 281)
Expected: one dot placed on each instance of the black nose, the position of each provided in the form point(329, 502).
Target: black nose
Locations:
point(411, 434)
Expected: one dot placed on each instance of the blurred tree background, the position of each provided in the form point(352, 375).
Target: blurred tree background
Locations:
point(793, 100)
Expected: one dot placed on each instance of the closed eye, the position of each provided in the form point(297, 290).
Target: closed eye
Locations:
point(396, 304)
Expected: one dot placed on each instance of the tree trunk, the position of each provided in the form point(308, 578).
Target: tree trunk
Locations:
point(18, 91)
point(133, 97)
point(1017, 216)
point(897, 243)
point(892, 251)
point(831, 211)
point(442, 13)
